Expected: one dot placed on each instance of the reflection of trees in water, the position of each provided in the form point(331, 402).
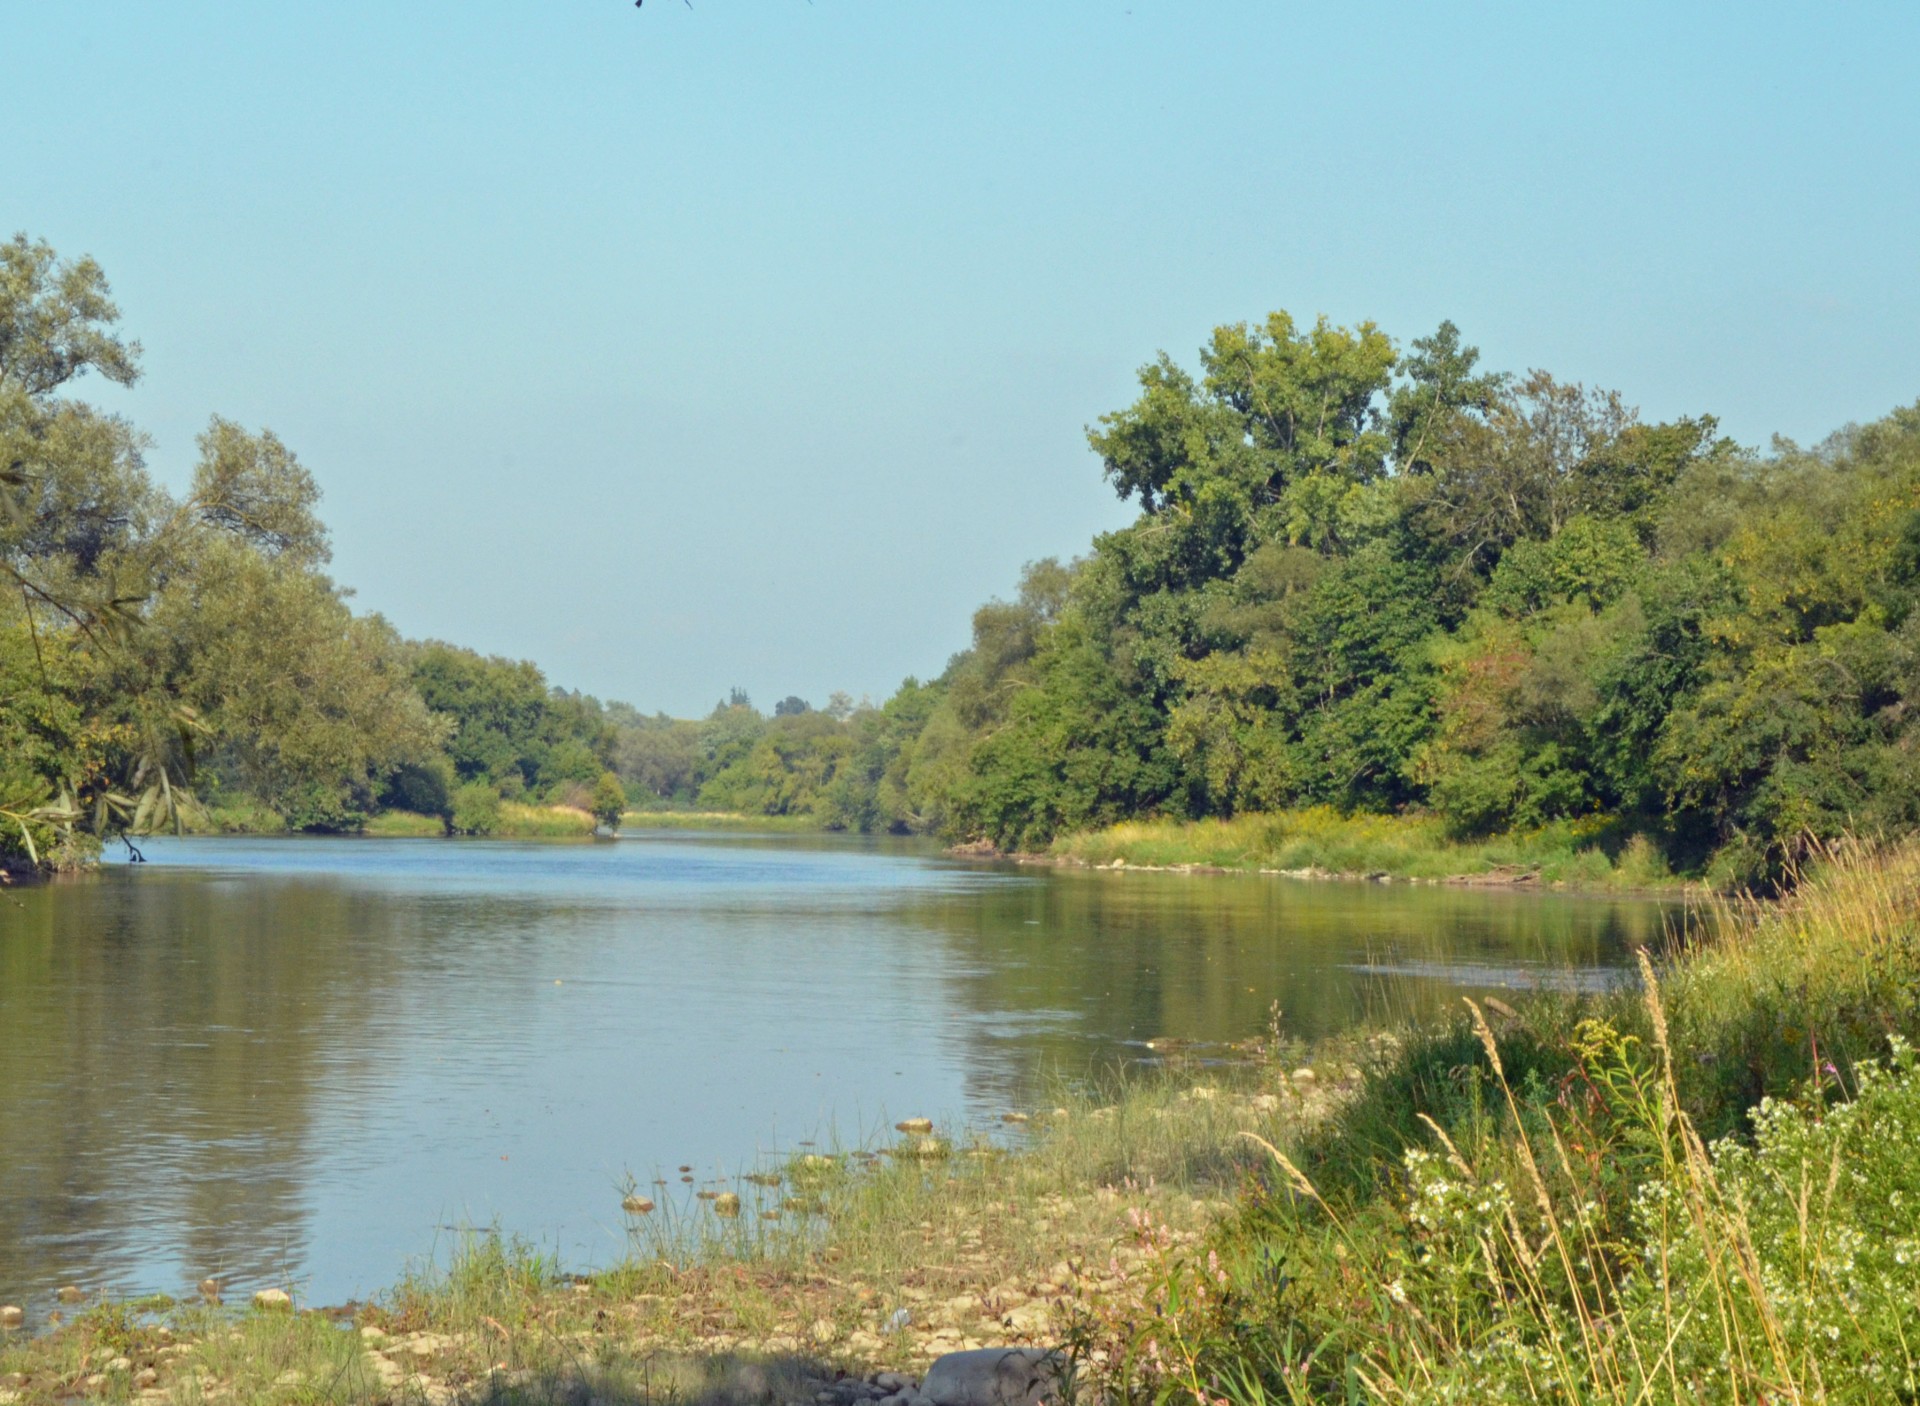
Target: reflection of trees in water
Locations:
point(1130, 957)
point(166, 1041)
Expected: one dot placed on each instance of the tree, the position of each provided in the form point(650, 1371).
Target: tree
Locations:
point(609, 801)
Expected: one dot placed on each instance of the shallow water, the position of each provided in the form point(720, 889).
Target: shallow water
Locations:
point(307, 1061)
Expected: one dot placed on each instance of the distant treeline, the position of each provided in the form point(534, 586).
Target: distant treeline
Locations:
point(1366, 576)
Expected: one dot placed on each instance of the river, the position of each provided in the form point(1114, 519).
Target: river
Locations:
point(308, 1062)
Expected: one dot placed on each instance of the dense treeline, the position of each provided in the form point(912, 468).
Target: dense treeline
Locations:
point(1380, 579)
point(1363, 576)
point(187, 660)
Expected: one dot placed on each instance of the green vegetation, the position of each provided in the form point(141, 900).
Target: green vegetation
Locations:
point(1700, 1191)
point(1384, 581)
point(1590, 853)
point(186, 662)
point(1365, 579)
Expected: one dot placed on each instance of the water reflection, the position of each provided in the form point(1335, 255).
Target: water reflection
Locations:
point(295, 1059)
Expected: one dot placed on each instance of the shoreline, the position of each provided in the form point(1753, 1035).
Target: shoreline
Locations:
point(1152, 1211)
point(933, 1244)
point(1598, 857)
point(1513, 881)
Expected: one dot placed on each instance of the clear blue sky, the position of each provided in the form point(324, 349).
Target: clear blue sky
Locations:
point(753, 343)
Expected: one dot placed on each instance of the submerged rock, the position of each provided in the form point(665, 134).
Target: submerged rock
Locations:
point(914, 1125)
point(69, 1293)
point(995, 1376)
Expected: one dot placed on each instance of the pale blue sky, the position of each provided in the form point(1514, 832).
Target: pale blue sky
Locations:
point(753, 343)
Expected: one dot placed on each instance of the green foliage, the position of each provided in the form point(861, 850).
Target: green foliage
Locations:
point(1391, 582)
point(609, 801)
point(476, 809)
point(1699, 1190)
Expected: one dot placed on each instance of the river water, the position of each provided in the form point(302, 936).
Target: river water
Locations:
point(309, 1061)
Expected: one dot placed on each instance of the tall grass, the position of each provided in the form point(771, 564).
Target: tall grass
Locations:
point(525, 822)
point(1322, 840)
point(1703, 1191)
point(717, 820)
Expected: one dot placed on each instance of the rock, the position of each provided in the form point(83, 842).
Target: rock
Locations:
point(726, 1204)
point(1028, 1321)
point(636, 1206)
point(1264, 1103)
point(1015, 1118)
point(373, 1336)
point(1303, 1075)
point(273, 1299)
point(119, 1366)
point(995, 1376)
point(390, 1373)
point(892, 1382)
point(210, 1289)
point(144, 1378)
point(914, 1125)
point(926, 1147)
point(69, 1294)
point(12, 1315)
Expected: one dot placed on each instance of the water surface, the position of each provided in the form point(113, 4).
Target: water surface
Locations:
point(302, 1061)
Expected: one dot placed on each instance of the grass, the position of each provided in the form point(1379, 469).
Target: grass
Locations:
point(404, 825)
point(716, 820)
point(1701, 1191)
point(525, 822)
point(1322, 841)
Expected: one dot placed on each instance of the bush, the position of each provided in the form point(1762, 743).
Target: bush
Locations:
point(476, 809)
point(609, 801)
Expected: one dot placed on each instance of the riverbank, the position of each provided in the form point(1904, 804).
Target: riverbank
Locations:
point(828, 1270)
point(1324, 843)
point(1521, 1205)
point(516, 821)
point(727, 820)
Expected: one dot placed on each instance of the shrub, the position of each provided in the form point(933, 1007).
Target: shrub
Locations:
point(476, 809)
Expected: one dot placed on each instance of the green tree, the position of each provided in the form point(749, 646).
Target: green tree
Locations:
point(609, 801)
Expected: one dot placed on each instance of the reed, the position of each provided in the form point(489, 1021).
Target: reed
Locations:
point(1587, 854)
